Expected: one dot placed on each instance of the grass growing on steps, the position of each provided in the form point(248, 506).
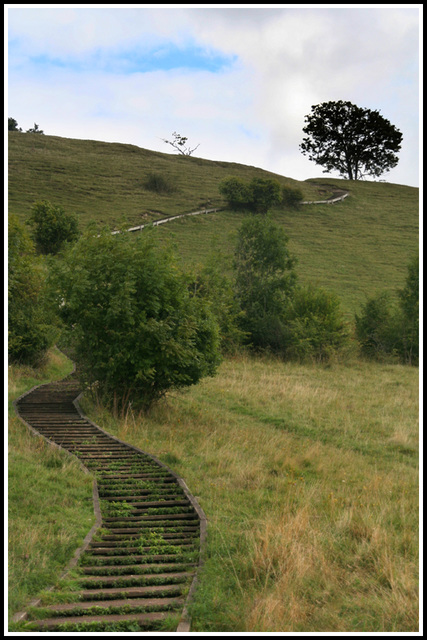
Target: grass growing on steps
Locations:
point(50, 507)
point(309, 479)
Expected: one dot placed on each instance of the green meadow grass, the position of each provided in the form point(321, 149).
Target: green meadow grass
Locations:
point(105, 182)
point(50, 507)
point(309, 479)
point(308, 474)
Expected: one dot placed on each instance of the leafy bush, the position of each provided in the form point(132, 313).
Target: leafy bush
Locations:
point(159, 184)
point(52, 227)
point(212, 285)
point(257, 196)
point(264, 194)
point(389, 328)
point(236, 192)
point(265, 279)
point(31, 325)
point(291, 198)
point(316, 325)
point(136, 329)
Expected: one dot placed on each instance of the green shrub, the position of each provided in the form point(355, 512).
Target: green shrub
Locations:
point(257, 196)
point(159, 184)
point(265, 279)
point(264, 194)
point(136, 329)
point(31, 324)
point(389, 328)
point(316, 325)
point(213, 286)
point(236, 192)
point(291, 198)
point(52, 227)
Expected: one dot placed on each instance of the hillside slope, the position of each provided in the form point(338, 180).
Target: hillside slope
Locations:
point(106, 181)
point(353, 248)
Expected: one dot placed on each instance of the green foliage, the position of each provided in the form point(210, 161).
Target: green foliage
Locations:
point(265, 280)
point(316, 325)
point(294, 322)
point(212, 285)
point(31, 324)
point(351, 140)
point(264, 194)
point(34, 129)
point(12, 125)
point(52, 227)
point(291, 198)
point(136, 329)
point(236, 192)
point(257, 196)
point(386, 328)
point(179, 143)
point(158, 183)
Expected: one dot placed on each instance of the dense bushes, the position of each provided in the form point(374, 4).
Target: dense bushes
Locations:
point(389, 328)
point(258, 195)
point(317, 328)
point(31, 322)
point(278, 315)
point(136, 329)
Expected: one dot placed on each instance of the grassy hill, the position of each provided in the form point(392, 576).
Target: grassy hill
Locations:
point(308, 473)
point(353, 248)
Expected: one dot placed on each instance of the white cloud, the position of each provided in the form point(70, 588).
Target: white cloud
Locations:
point(251, 111)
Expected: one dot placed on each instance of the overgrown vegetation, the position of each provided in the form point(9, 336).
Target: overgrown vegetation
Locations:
point(278, 315)
point(32, 325)
point(136, 330)
point(389, 328)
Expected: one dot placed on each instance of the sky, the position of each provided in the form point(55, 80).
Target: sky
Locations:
point(237, 80)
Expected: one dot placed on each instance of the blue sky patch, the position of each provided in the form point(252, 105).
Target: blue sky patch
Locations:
point(163, 58)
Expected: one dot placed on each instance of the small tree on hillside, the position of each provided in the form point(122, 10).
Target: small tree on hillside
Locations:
point(52, 227)
point(34, 129)
point(179, 143)
point(136, 329)
point(391, 328)
point(353, 141)
point(31, 323)
point(265, 280)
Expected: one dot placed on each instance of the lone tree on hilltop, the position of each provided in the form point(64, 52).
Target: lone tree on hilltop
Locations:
point(354, 141)
point(179, 143)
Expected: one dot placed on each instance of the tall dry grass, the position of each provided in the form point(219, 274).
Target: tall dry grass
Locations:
point(309, 478)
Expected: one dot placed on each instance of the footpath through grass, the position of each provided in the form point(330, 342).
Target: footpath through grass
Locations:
point(309, 478)
point(50, 508)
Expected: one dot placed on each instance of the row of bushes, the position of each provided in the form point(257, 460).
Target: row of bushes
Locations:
point(258, 195)
point(140, 326)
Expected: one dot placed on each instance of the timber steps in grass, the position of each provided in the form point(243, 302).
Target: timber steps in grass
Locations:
point(137, 567)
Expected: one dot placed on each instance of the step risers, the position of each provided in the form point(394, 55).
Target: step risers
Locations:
point(112, 573)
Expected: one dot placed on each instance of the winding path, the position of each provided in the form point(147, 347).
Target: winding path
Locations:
point(138, 564)
point(337, 196)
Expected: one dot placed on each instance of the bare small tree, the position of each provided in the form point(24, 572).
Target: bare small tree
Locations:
point(179, 143)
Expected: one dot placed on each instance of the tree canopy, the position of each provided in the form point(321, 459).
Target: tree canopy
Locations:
point(354, 141)
point(135, 327)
